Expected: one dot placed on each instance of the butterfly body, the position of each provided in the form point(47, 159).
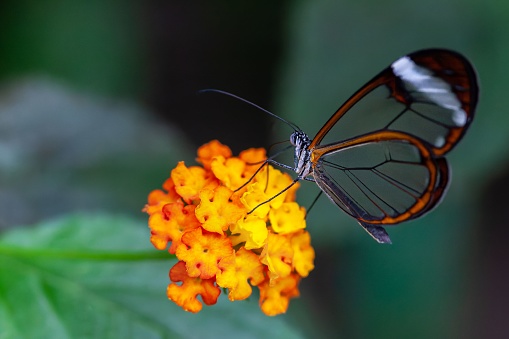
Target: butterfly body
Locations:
point(302, 154)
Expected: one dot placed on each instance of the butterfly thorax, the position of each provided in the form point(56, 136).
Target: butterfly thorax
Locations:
point(302, 155)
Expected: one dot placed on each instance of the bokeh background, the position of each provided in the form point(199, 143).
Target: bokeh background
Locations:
point(98, 101)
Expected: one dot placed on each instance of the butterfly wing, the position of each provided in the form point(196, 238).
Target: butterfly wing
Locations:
point(380, 178)
point(383, 163)
point(431, 94)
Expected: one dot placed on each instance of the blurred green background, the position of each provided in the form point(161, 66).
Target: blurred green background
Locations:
point(98, 101)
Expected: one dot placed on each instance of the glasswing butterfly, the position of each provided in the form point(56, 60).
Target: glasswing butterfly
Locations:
point(380, 156)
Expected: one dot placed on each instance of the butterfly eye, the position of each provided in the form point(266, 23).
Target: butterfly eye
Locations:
point(293, 138)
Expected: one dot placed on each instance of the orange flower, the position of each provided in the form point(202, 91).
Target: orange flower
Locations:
point(190, 181)
point(202, 251)
point(236, 270)
point(218, 209)
point(158, 198)
point(229, 171)
point(158, 222)
point(254, 158)
point(303, 253)
point(275, 296)
point(185, 294)
point(169, 225)
point(208, 152)
point(220, 241)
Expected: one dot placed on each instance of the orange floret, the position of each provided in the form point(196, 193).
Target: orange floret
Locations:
point(190, 181)
point(236, 270)
point(275, 296)
point(303, 253)
point(202, 251)
point(176, 219)
point(207, 152)
point(254, 158)
point(185, 294)
point(218, 209)
point(158, 198)
point(229, 171)
point(159, 235)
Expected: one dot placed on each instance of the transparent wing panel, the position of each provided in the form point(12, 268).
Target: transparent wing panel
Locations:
point(429, 94)
point(377, 180)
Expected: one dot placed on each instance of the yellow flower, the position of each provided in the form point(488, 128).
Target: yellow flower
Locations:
point(206, 214)
point(255, 198)
point(277, 255)
point(252, 231)
point(288, 218)
point(274, 182)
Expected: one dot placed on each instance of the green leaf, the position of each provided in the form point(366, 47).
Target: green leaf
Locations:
point(98, 276)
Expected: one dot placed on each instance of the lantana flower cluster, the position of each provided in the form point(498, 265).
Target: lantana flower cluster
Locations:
point(205, 214)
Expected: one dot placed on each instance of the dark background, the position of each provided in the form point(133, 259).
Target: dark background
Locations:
point(99, 100)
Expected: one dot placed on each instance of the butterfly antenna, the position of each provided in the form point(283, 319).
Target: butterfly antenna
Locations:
point(292, 125)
